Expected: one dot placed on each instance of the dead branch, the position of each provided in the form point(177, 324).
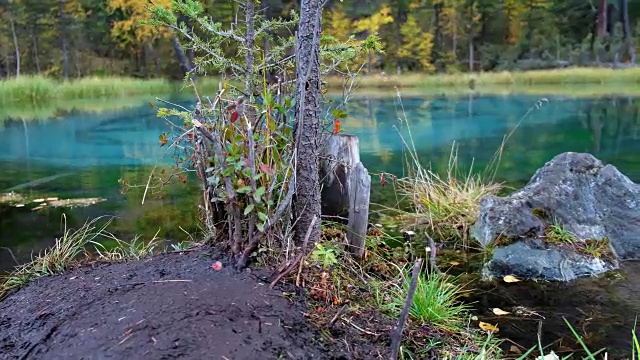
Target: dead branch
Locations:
point(432, 256)
point(337, 316)
point(298, 258)
point(396, 335)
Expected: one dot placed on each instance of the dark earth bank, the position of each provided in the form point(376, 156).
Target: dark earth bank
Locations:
point(167, 307)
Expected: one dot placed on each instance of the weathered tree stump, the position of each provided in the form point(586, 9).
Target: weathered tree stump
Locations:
point(346, 186)
point(341, 153)
point(359, 191)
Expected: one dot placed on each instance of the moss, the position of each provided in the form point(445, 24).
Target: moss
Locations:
point(503, 240)
point(541, 214)
point(597, 248)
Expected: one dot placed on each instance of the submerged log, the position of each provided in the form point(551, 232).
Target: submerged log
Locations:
point(346, 187)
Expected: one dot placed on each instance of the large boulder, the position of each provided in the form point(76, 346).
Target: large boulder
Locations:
point(576, 217)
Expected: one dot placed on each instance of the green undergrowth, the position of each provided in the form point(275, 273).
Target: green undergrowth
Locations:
point(90, 242)
point(440, 321)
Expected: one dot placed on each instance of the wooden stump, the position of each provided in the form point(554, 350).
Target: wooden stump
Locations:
point(341, 154)
point(346, 187)
point(359, 191)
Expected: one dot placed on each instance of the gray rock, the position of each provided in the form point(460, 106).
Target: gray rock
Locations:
point(577, 191)
point(535, 260)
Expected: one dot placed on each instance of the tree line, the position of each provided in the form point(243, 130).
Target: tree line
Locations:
point(75, 38)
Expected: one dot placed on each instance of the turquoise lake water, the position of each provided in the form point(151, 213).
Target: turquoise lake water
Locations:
point(90, 152)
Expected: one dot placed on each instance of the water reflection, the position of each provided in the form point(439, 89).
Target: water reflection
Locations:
point(607, 127)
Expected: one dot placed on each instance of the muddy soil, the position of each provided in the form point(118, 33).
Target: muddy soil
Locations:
point(172, 306)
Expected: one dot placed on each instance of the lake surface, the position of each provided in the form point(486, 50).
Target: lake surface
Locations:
point(90, 152)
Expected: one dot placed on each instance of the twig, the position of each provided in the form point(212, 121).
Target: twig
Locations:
point(396, 335)
point(432, 255)
point(337, 316)
point(11, 253)
point(298, 258)
point(359, 328)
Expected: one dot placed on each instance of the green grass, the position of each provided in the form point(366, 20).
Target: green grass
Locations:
point(66, 251)
point(91, 241)
point(125, 250)
point(39, 90)
point(568, 76)
point(558, 235)
point(449, 204)
point(437, 301)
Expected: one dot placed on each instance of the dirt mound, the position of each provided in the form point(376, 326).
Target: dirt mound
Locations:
point(167, 307)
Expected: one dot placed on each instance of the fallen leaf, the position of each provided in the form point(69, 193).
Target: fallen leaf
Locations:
point(549, 356)
point(217, 266)
point(500, 312)
point(454, 263)
point(510, 279)
point(515, 350)
point(266, 169)
point(52, 199)
point(20, 205)
point(488, 327)
point(38, 200)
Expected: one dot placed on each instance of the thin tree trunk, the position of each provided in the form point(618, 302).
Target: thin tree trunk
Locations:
point(185, 64)
point(626, 30)
point(307, 125)
point(15, 43)
point(471, 34)
point(249, 43)
point(36, 51)
point(65, 41)
point(437, 46)
point(602, 18)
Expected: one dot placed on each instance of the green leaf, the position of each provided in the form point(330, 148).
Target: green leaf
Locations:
point(259, 193)
point(248, 209)
point(262, 216)
point(244, 190)
point(260, 227)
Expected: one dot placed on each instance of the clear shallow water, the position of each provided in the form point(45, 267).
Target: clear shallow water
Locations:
point(95, 150)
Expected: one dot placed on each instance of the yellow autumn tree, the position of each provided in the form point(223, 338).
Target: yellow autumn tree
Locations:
point(129, 31)
point(416, 45)
point(513, 11)
point(371, 25)
point(337, 24)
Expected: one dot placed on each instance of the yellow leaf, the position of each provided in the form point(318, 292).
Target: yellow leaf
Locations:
point(488, 327)
point(510, 279)
point(500, 312)
point(454, 263)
